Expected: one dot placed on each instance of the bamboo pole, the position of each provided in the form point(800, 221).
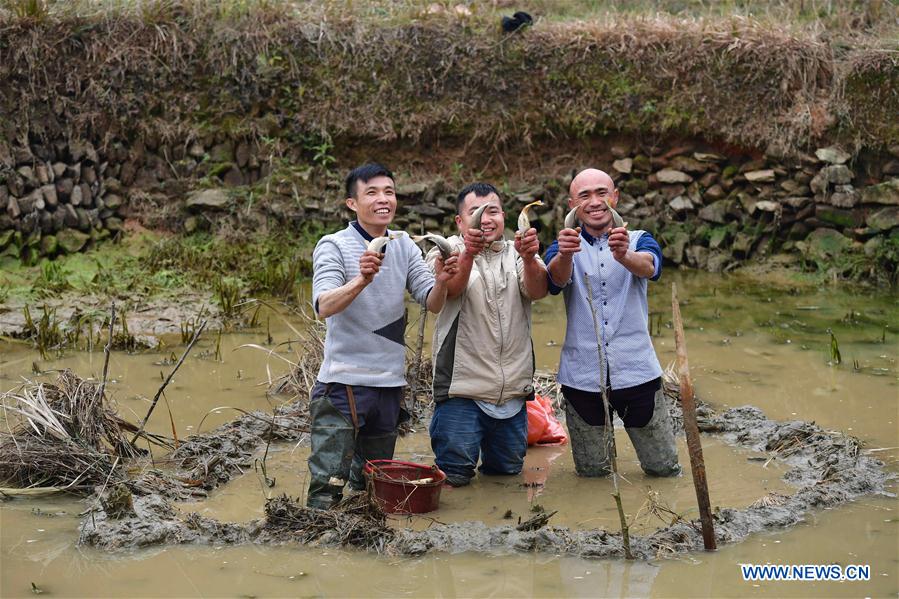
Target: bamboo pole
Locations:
point(609, 430)
point(168, 379)
point(691, 428)
point(416, 363)
point(106, 351)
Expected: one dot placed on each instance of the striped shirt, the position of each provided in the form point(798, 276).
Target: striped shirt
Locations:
point(622, 315)
point(365, 343)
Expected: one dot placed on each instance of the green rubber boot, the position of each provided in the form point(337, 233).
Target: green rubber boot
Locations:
point(589, 446)
point(375, 447)
point(655, 444)
point(332, 454)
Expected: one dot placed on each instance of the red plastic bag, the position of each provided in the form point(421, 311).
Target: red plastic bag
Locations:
point(543, 427)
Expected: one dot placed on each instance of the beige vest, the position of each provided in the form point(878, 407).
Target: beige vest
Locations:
point(482, 342)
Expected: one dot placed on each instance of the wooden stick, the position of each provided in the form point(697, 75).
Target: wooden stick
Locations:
point(691, 428)
point(168, 379)
point(416, 364)
point(609, 429)
point(106, 352)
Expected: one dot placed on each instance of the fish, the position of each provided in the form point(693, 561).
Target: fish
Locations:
point(476, 217)
point(524, 223)
point(439, 240)
point(616, 218)
point(571, 219)
point(377, 244)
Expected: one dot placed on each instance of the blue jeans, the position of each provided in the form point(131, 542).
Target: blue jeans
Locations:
point(461, 432)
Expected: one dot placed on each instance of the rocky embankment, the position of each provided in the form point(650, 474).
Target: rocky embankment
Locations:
point(710, 209)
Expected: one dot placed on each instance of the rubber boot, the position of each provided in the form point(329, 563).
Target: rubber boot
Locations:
point(654, 443)
point(589, 446)
point(332, 454)
point(375, 447)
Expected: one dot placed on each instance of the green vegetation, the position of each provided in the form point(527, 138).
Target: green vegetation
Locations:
point(147, 266)
point(261, 265)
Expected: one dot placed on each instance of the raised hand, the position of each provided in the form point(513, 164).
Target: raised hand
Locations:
point(569, 241)
point(474, 241)
point(619, 242)
point(527, 244)
point(369, 265)
point(446, 269)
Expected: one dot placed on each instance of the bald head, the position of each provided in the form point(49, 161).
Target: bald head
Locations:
point(588, 180)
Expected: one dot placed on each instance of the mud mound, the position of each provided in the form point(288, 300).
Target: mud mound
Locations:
point(355, 522)
point(211, 459)
point(827, 468)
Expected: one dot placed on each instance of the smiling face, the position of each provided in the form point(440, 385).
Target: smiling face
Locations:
point(374, 204)
point(590, 189)
point(492, 221)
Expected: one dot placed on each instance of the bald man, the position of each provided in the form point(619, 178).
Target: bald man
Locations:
point(619, 264)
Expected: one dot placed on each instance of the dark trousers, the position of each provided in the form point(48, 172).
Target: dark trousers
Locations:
point(634, 405)
point(377, 408)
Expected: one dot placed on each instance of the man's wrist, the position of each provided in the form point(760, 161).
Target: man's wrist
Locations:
point(440, 287)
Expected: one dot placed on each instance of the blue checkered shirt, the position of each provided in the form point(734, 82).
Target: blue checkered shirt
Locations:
point(622, 314)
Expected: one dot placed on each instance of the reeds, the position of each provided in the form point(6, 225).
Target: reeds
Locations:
point(62, 436)
point(737, 79)
point(356, 521)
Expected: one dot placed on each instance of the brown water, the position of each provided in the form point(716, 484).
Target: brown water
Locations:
point(749, 344)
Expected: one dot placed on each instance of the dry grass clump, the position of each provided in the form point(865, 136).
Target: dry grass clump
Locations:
point(309, 341)
point(172, 72)
point(356, 521)
point(63, 436)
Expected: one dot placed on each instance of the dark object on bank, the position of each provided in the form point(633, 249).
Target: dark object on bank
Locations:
point(517, 21)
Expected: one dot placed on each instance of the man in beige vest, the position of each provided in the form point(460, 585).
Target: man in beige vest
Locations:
point(483, 356)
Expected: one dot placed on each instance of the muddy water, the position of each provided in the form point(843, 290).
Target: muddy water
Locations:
point(755, 344)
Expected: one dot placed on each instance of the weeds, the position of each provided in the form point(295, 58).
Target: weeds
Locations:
point(190, 326)
point(313, 72)
point(64, 436)
point(211, 262)
point(52, 278)
point(227, 292)
point(835, 357)
point(46, 333)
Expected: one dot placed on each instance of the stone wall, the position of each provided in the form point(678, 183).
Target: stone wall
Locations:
point(709, 209)
point(56, 199)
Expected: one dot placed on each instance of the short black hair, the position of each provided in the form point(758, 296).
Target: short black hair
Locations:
point(365, 173)
point(480, 190)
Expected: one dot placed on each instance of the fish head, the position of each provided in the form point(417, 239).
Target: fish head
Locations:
point(524, 221)
point(571, 219)
point(378, 244)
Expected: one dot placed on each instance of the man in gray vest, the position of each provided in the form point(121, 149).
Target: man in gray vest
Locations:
point(355, 403)
point(619, 263)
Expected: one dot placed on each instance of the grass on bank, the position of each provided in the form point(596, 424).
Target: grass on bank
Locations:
point(840, 17)
point(148, 266)
point(756, 74)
